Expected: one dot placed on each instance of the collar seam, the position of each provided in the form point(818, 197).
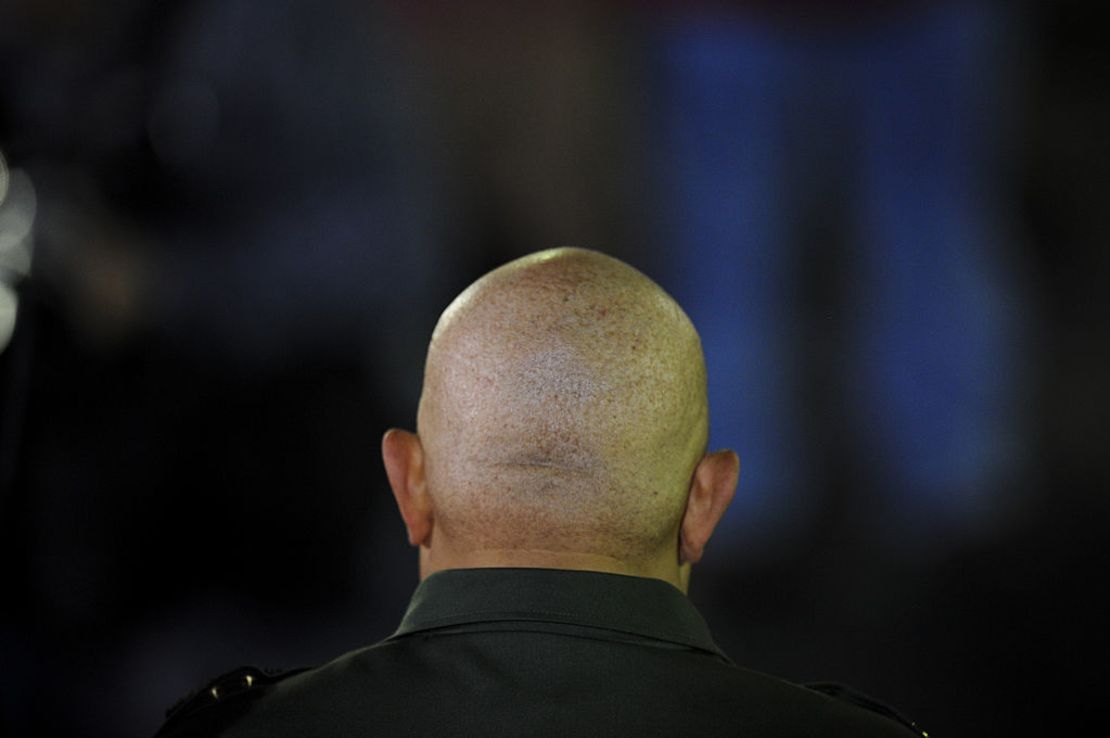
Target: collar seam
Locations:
point(633, 637)
point(566, 618)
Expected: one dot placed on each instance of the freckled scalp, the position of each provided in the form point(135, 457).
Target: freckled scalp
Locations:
point(563, 407)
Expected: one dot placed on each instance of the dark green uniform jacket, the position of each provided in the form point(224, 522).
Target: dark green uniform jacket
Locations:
point(533, 652)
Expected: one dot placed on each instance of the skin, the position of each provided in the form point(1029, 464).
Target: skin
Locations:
point(562, 424)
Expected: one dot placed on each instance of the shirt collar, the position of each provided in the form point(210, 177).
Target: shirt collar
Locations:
point(636, 606)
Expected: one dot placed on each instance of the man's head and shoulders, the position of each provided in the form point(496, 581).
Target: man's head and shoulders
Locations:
point(558, 489)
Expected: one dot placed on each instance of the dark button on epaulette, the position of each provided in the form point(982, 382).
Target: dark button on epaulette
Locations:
point(847, 694)
point(200, 710)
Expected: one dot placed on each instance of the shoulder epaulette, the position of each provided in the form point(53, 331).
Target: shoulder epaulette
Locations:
point(859, 699)
point(220, 702)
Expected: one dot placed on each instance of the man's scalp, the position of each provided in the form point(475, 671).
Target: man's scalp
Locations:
point(563, 405)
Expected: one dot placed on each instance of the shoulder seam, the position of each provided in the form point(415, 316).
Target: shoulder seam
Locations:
point(229, 688)
point(844, 693)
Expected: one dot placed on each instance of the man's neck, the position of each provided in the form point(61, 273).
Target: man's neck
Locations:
point(432, 561)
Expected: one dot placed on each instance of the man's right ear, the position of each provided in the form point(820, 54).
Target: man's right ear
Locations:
point(404, 465)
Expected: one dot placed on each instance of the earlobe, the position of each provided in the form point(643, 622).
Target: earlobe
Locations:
point(711, 490)
point(403, 457)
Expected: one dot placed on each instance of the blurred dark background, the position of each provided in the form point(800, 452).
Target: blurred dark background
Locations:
point(227, 228)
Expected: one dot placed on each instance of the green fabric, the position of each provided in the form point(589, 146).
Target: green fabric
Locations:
point(630, 606)
point(540, 652)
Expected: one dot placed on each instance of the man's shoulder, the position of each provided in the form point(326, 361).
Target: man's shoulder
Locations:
point(845, 698)
point(218, 703)
point(371, 684)
point(825, 708)
point(223, 702)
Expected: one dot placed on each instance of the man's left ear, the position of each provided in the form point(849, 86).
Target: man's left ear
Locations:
point(404, 465)
point(711, 490)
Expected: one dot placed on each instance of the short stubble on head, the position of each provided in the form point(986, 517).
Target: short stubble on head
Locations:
point(563, 409)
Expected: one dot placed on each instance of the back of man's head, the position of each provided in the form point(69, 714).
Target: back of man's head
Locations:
point(563, 410)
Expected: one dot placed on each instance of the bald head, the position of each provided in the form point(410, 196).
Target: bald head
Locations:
point(562, 424)
point(563, 408)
